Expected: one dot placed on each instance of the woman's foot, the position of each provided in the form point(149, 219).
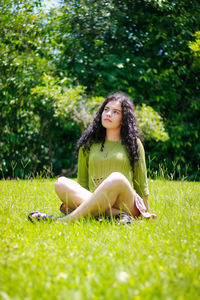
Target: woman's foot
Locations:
point(64, 209)
point(40, 216)
point(123, 219)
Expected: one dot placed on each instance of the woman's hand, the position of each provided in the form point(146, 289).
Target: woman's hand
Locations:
point(146, 202)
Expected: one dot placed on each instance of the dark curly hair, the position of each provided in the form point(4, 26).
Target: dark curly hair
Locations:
point(95, 133)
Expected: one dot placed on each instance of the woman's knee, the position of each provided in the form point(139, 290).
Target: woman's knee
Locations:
point(61, 183)
point(118, 179)
point(63, 188)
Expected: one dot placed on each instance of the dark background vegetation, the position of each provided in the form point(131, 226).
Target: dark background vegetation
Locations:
point(55, 67)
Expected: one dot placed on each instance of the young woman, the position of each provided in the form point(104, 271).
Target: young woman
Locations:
point(112, 177)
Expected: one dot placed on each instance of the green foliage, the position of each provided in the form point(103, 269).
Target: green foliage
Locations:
point(91, 260)
point(56, 67)
point(72, 104)
point(63, 99)
point(195, 48)
point(195, 45)
point(151, 124)
point(32, 136)
point(22, 59)
point(149, 50)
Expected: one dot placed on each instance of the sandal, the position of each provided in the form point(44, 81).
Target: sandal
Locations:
point(39, 216)
point(64, 210)
point(123, 218)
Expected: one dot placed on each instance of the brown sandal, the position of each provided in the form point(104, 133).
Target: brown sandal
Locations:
point(64, 210)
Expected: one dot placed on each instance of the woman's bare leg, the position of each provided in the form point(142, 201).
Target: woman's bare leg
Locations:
point(73, 194)
point(114, 192)
point(70, 192)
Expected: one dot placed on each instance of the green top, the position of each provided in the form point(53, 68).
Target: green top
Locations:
point(95, 166)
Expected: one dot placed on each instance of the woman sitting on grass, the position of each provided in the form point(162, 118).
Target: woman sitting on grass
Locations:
point(112, 177)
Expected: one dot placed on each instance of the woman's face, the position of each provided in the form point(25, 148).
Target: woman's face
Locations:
point(112, 115)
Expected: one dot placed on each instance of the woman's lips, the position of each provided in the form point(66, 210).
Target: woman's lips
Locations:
point(108, 120)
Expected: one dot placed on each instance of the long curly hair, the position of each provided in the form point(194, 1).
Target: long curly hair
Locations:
point(96, 133)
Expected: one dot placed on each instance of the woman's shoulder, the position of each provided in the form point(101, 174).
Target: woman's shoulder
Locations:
point(140, 145)
point(86, 151)
point(139, 142)
point(83, 151)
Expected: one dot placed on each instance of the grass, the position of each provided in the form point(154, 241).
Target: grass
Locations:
point(91, 260)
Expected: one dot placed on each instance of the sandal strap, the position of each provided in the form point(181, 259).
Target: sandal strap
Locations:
point(39, 216)
point(64, 210)
point(123, 218)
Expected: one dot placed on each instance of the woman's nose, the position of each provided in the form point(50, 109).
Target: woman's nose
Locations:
point(108, 113)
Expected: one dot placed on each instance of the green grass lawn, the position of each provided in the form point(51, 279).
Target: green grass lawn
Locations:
point(90, 260)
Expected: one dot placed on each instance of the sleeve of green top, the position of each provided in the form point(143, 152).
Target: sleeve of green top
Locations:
point(140, 173)
point(83, 168)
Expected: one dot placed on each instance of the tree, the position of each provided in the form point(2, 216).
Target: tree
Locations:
point(140, 47)
point(24, 56)
point(56, 67)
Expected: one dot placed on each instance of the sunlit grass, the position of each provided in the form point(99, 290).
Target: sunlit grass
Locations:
point(91, 260)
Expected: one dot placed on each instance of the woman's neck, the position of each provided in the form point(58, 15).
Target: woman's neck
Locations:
point(113, 135)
